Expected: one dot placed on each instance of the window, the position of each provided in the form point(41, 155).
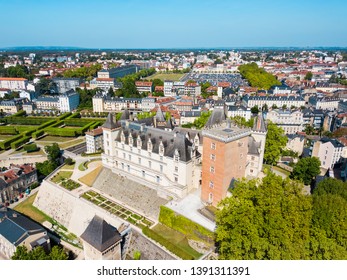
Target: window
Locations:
point(176, 179)
point(241, 155)
point(161, 158)
point(123, 155)
point(211, 184)
point(161, 168)
point(149, 164)
point(139, 160)
point(213, 146)
point(143, 173)
point(213, 157)
point(122, 165)
point(158, 179)
point(176, 168)
point(252, 158)
point(210, 197)
point(212, 169)
point(128, 168)
point(129, 157)
point(251, 170)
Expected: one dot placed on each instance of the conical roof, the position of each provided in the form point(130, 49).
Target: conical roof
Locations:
point(100, 234)
point(110, 124)
point(259, 124)
point(159, 115)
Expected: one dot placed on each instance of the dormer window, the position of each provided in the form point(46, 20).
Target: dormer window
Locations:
point(131, 140)
point(122, 137)
point(176, 155)
point(139, 142)
point(161, 149)
point(149, 145)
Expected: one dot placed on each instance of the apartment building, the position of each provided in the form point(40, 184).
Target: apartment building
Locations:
point(118, 72)
point(94, 140)
point(240, 111)
point(290, 121)
point(192, 89)
point(66, 84)
point(11, 106)
point(174, 88)
point(65, 102)
point(13, 83)
point(103, 103)
point(279, 101)
point(144, 87)
point(324, 103)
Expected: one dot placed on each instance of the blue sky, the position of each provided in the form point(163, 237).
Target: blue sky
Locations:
point(173, 24)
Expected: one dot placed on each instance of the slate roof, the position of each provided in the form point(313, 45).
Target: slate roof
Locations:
point(253, 146)
point(259, 123)
point(172, 141)
point(100, 234)
point(110, 124)
point(15, 227)
point(217, 117)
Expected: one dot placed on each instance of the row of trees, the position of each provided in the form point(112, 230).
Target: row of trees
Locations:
point(48, 166)
point(38, 253)
point(274, 220)
point(258, 77)
point(83, 72)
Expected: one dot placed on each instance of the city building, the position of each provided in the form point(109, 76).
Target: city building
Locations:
point(270, 101)
point(15, 181)
point(290, 121)
point(189, 116)
point(101, 241)
point(13, 83)
point(240, 111)
point(144, 87)
point(173, 88)
point(328, 151)
point(63, 85)
point(117, 72)
point(18, 230)
point(11, 106)
point(94, 140)
point(295, 143)
point(103, 103)
point(148, 104)
point(47, 103)
point(324, 103)
point(192, 89)
point(166, 161)
point(69, 101)
point(105, 84)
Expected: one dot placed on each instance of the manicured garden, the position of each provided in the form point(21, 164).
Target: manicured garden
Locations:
point(118, 210)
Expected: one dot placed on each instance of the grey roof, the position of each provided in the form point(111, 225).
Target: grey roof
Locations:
point(334, 142)
point(110, 124)
point(159, 115)
point(259, 123)
point(16, 227)
point(217, 117)
point(253, 146)
point(125, 115)
point(100, 234)
point(172, 141)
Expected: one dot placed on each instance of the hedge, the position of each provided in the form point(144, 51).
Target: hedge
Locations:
point(65, 115)
point(95, 125)
point(30, 148)
point(24, 120)
point(23, 128)
point(64, 132)
point(19, 114)
point(20, 142)
point(9, 130)
point(167, 244)
point(74, 115)
point(77, 122)
point(7, 143)
point(46, 124)
point(182, 224)
point(38, 133)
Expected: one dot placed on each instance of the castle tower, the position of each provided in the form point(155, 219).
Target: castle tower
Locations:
point(101, 241)
point(110, 133)
point(225, 151)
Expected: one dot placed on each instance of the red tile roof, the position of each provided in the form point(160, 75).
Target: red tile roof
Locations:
point(143, 84)
point(12, 79)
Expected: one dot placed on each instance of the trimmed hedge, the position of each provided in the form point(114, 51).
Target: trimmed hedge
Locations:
point(167, 244)
point(23, 128)
point(20, 142)
point(65, 115)
point(64, 132)
point(31, 148)
point(19, 114)
point(38, 133)
point(27, 121)
point(7, 143)
point(9, 130)
point(46, 124)
point(77, 122)
point(74, 115)
point(182, 224)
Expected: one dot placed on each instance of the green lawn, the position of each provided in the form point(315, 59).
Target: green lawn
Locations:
point(165, 76)
point(177, 238)
point(69, 167)
point(71, 143)
point(55, 139)
point(61, 175)
point(4, 137)
point(26, 207)
point(90, 177)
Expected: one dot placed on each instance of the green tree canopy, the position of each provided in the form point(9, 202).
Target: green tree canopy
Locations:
point(275, 142)
point(38, 253)
point(268, 220)
point(258, 77)
point(255, 110)
point(308, 76)
point(306, 169)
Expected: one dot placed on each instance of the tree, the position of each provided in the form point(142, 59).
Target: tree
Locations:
point(255, 110)
point(53, 152)
point(308, 76)
point(275, 142)
point(306, 169)
point(268, 220)
point(309, 129)
point(329, 227)
point(38, 253)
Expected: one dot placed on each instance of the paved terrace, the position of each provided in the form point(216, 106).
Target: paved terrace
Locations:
point(133, 194)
